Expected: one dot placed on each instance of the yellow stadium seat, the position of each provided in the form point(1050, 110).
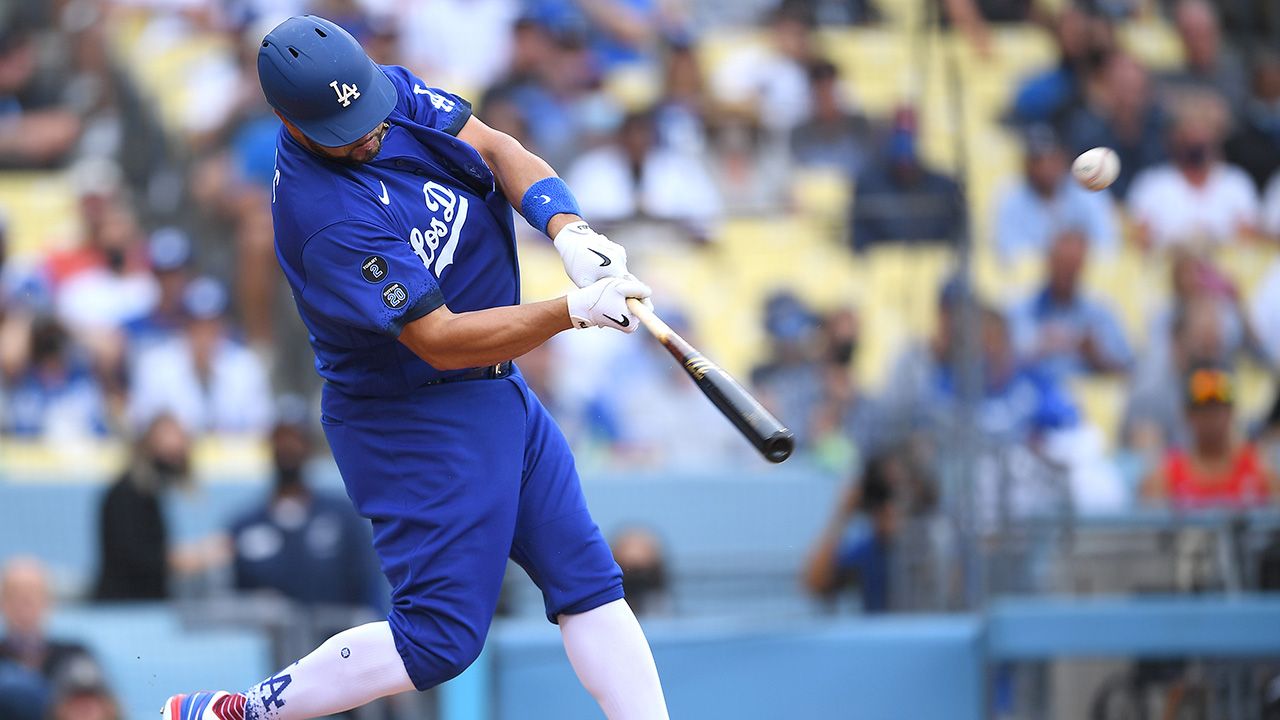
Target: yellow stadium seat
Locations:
point(40, 209)
point(1101, 403)
point(1154, 42)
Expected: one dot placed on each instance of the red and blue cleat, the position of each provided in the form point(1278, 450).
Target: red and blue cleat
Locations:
point(204, 706)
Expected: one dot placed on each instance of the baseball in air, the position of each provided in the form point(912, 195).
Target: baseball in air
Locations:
point(1096, 169)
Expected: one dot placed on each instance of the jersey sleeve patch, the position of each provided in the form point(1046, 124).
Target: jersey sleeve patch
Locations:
point(365, 277)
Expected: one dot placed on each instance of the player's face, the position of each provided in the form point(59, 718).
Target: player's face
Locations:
point(357, 153)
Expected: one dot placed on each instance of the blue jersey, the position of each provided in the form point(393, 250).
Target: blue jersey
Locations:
point(369, 248)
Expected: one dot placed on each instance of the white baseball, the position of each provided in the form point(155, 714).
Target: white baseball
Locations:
point(1096, 169)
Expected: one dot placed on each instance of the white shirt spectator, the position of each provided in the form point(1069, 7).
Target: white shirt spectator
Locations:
point(773, 84)
point(671, 186)
point(1271, 207)
point(235, 399)
point(458, 43)
point(101, 299)
point(1176, 212)
point(1026, 223)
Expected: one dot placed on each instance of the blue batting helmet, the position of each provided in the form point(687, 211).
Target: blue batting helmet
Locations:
point(320, 79)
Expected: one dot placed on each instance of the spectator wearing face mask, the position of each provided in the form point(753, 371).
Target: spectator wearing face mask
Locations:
point(302, 544)
point(639, 554)
point(134, 538)
point(1196, 197)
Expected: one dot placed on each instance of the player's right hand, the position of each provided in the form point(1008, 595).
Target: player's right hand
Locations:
point(604, 303)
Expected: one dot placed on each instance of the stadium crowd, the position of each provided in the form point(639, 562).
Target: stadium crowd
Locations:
point(166, 320)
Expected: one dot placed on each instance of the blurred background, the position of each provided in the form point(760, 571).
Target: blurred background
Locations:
point(1039, 427)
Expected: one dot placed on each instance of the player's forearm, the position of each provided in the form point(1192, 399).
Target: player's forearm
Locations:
point(453, 341)
point(516, 170)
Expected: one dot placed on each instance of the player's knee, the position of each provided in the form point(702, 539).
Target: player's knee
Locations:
point(458, 659)
point(437, 652)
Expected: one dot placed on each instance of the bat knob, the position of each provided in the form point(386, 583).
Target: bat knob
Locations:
point(779, 446)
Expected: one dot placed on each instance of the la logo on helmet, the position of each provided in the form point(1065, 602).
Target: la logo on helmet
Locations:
point(346, 94)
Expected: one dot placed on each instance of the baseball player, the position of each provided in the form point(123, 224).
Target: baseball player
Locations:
point(393, 224)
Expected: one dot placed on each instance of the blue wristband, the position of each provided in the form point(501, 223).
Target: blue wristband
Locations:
point(545, 198)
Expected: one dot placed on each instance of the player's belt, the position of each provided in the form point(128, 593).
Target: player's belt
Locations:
point(488, 372)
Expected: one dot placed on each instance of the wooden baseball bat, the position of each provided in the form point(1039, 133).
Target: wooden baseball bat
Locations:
point(774, 441)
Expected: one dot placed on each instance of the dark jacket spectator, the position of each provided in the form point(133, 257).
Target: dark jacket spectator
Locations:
point(899, 199)
point(25, 605)
point(134, 548)
point(1255, 144)
point(302, 544)
point(23, 696)
point(1123, 116)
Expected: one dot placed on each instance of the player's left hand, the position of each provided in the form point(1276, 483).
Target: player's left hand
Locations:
point(589, 256)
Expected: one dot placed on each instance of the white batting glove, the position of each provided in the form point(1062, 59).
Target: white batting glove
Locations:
point(604, 303)
point(589, 256)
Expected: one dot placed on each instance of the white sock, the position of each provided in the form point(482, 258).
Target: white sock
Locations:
point(350, 669)
point(611, 656)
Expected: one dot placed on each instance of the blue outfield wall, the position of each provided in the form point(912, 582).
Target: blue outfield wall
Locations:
point(865, 669)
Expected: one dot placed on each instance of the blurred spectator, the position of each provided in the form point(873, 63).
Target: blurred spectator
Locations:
point(647, 420)
point(114, 287)
point(790, 380)
point(752, 166)
point(635, 179)
point(898, 199)
point(860, 552)
point(81, 693)
point(209, 381)
point(25, 604)
point(169, 250)
point(681, 112)
point(546, 88)
point(1048, 201)
point(971, 18)
point(134, 549)
point(1209, 64)
point(769, 83)
point(55, 396)
point(1217, 467)
point(38, 128)
point(844, 426)
point(1196, 197)
point(619, 31)
point(1271, 208)
point(838, 13)
point(1084, 43)
point(644, 571)
point(832, 136)
point(1264, 308)
point(1195, 278)
point(1018, 403)
point(458, 44)
point(1254, 145)
point(1120, 113)
point(23, 695)
point(1060, 329)
point(913, 372)
point(1154, 418)
point(303, 544)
